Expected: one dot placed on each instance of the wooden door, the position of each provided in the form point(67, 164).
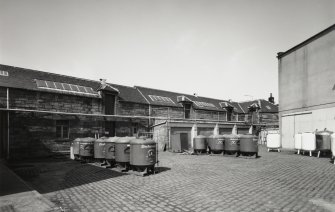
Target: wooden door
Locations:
point(287, 132)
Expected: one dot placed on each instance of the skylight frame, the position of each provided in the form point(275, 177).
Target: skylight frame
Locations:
point(162, 99)
point(65, 87)
point(4, 73)
point(204, 104)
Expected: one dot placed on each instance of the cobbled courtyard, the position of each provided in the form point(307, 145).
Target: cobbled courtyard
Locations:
point(273, 182)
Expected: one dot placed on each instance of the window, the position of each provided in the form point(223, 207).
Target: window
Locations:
point(187, 110)
point(204, 104)
point(4, 73)
point(44, 84)
point(161, 99)
point(62, 128)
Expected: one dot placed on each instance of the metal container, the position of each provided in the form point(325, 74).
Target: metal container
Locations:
point(323, 139)
point(249, 144)
point(215, 143)
point(297, 142)
point(143, 152)
point(86, 147)
point(199, 143)
point(273, 140)
point(308, 142)
point(122, 149)
point(110, 148)
point(76, 144)
point(231, 143)
point(333, 146)
point(99, 148)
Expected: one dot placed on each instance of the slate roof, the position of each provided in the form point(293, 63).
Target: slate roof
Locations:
point(25, 79)
point(266, 106)
point(173, 96)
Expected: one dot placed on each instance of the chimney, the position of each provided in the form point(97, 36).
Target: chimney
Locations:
point(103, 81)
point(271, 99)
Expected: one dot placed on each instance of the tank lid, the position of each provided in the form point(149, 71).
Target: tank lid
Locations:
point(142, 141)
point(216, 136)
point(112, 139)
point(247, 135)
point(101, 139)
point(88, 139)
point(199, 136)
point(232, 136)
point(324, 132)
point(124, 140)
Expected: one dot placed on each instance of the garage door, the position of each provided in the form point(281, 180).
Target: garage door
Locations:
point(287, 132)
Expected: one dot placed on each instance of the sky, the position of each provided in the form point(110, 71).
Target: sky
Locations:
point(224, 49)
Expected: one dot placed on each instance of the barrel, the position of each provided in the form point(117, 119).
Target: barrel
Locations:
point(110, 148)
point(232, 143)
point(76, 144)
point(199, 143)
point(86, 147)
point(99, 148)
point(122, 149)
point(215, 143)
point(249, 144)
point(323, 140)
point(143, 152)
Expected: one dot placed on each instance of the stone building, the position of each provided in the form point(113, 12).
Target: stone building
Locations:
point(307, 86)
point(42, 112)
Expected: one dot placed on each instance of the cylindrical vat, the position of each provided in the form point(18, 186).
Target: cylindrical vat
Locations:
point(215, 143)
point(199, 143)
point(76, 144)
point(308, 142)
point(332, 146)
point(110, 148)
point(86, 147)
point(297, 142)
point(231, 143)
point(122, 150)
point(323, 139)
point(249, 144)
point(142, 152)
point(99, 148)
point(273, 140)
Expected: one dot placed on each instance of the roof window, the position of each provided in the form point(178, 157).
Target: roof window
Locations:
point(161, 99)
point(4, 73)
point(204, 104)
point(44, 84)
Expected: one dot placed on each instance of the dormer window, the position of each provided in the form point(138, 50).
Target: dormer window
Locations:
point(187, 110)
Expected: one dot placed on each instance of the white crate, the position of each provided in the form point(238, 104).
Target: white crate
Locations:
point(298, 142)
point(273, 141)
point(308, 142)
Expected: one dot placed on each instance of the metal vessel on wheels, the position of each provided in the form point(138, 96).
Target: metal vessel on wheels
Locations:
point(99, 149)
point(249, 145)
point(110, 151)
point(232, 144)
point(143, 155)
point(323, 141)
point(122, 153)
point(75, 148)
point(199, 144)
point(215, 144)
point(86, 149)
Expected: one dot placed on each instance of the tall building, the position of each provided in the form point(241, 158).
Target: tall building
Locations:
point(307, 86)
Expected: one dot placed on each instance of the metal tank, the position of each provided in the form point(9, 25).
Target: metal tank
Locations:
point(99, 148)
point(75, 146)
point(215, 143)
point(249, 145)
point(323, 141)
point(110, 148)
point(86, 148)
point(122, 152)
point(143, 155)
point(199, 144)
point(232, 144)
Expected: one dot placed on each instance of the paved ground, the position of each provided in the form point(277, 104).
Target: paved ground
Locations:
point(274, 182)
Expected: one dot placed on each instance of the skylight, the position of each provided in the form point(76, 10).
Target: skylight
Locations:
point(161, 99)
point(44, 84)
point(268, 107)
point(204, 104)
point(4, 73)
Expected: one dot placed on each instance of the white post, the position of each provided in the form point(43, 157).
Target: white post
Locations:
point(216, 129)
point(8, 123)
point(194, 132)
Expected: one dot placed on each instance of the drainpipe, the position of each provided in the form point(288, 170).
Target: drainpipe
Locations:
point(7, 124)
